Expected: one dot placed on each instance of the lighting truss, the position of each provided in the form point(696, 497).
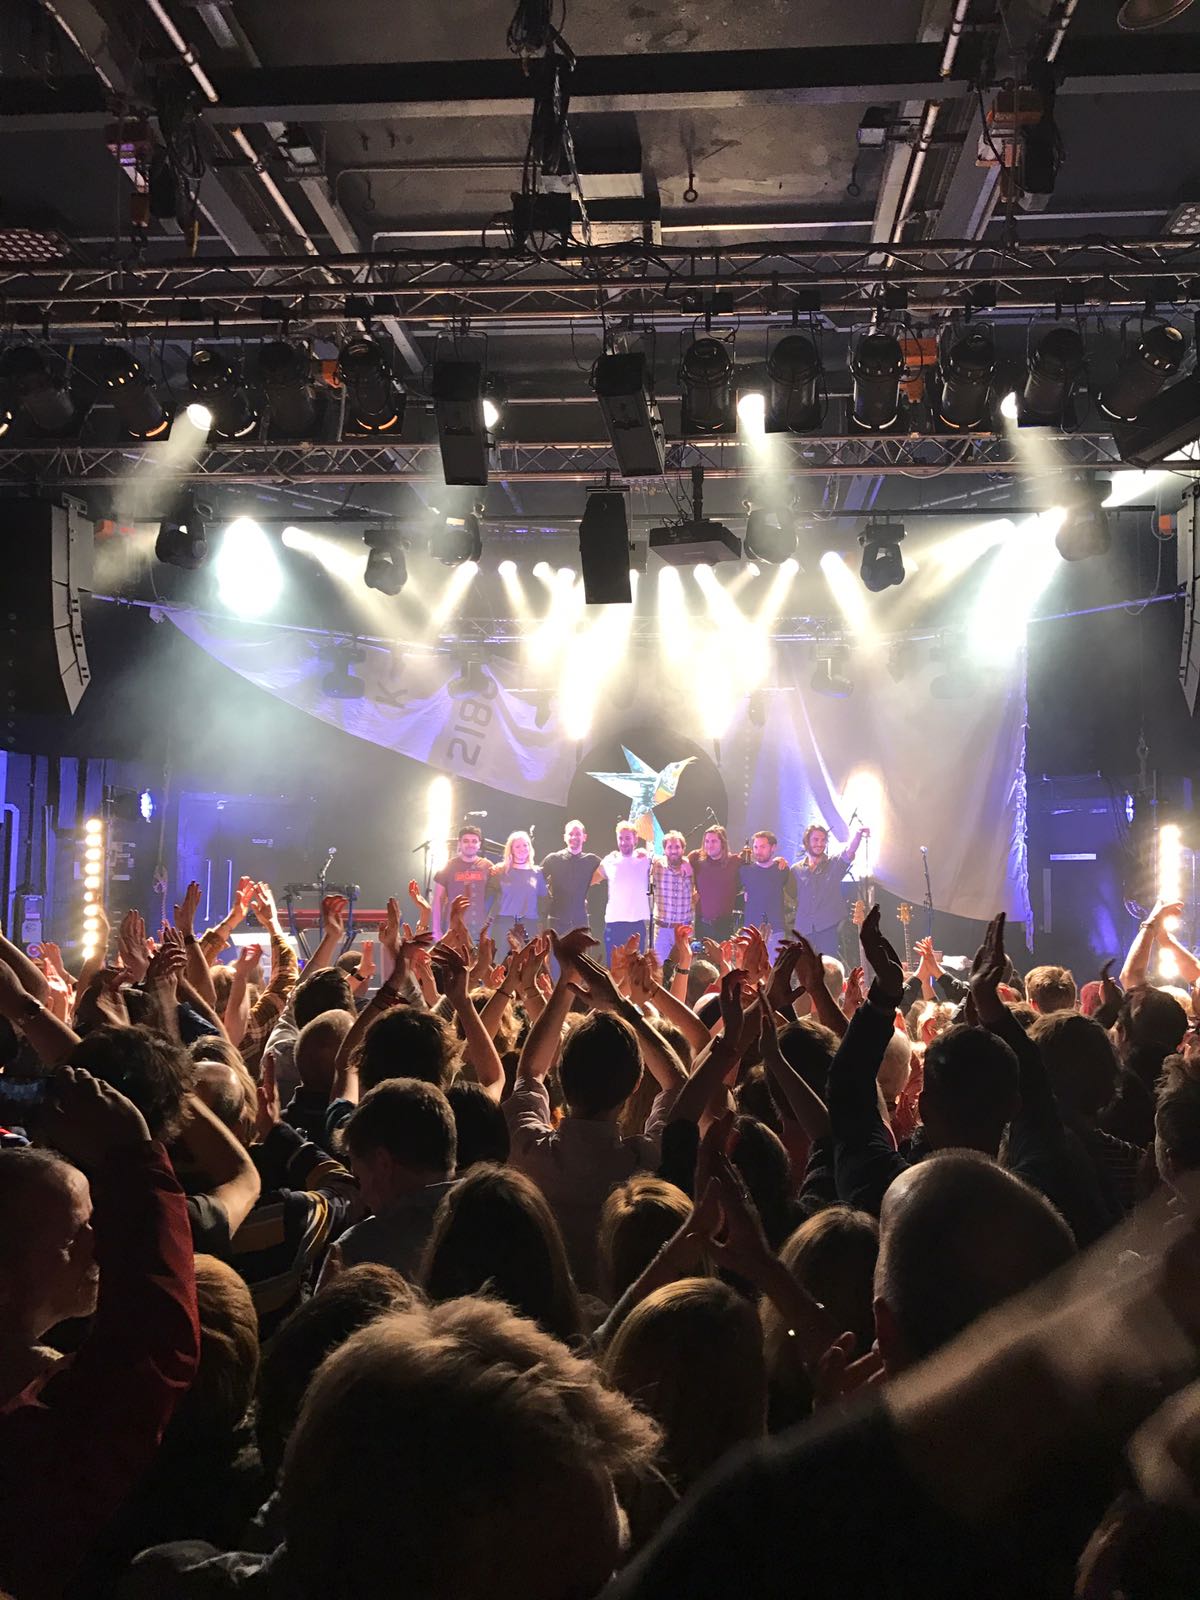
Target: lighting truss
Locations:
point(664, 285)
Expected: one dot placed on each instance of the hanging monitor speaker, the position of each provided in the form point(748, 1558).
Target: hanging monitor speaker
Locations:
point(46, 551)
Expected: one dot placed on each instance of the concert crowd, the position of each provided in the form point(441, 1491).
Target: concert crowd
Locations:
point(490, 1260)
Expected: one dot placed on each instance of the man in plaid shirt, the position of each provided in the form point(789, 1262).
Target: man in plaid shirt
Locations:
point(671, 887)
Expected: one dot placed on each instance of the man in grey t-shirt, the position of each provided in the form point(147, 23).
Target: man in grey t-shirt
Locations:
point(820, 897)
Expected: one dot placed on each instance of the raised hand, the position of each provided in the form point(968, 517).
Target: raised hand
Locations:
point(132, 946)
point(780, 992)
point(569, 947)
point(855, 992)
point(185, 914)
point(928, 960)
point(264, 908)
point(486, 952)
point(422, 905)
point(366, 966)
point(248, 959)
point(458, 911)
point(333, 914)
point(889, 973)
point(389, 928)
point(599, 983)
point(451, 968)
point(167, 964)
point(53, 955)
point(87, 1119)
point(243, 897)
point(681, 949)
point(809, 968)
point(269, 1110)
point(987, 973)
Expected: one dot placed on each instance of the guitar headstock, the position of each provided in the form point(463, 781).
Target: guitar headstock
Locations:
point(904, 914)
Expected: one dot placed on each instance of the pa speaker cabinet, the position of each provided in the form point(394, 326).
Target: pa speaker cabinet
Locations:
point(45, 569)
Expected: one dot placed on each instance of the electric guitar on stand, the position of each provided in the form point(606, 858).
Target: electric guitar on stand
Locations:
point(904, 917)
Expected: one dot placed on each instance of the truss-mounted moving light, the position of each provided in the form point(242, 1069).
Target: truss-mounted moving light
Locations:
point(770, 536)
point(1085, 530)
point(131, 394)
point(1144, 371)
point(706, 382)
point(876, 368)
point(1055, 365)
point(882, 564)
point(285, 369)
point(456, 539)
point(374, 399)
point(794, 373)
point(182, 537)
point(387, 570)
point(458, 389)
point(624, 386)
point(216, 384)
point(27, 377)
point(967, 380)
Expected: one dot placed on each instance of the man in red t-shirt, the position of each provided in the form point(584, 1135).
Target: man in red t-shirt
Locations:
point(718, 885)
point(465, 873)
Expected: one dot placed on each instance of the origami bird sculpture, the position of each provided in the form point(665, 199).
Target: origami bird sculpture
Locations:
point(645, 787)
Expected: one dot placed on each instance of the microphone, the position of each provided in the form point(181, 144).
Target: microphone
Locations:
point(333, 849)
point(924, 849)
point(475, 813)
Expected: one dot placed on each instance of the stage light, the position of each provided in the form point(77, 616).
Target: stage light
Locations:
point(1166, 428)
point(1020, 568)
point(182, 538)
point(544, 571)
point(794, 372)
point(387, 570)
point(214, 379)
point(848, 595)
point(491, 413)
point(43, 397)
point(604, 549)
point(146, 806)
point(462, 435)
point(706, 376)
point(1137, 15)
point(199, 416)
point(1055, 365)
point(131, 394)
point(882, 564)
point(457, 539)
point(1008, 406)
point(624, 386)
point(374, 399)
point(876, 368)
point(285, 370)
point(967, 380)
point(752, 413)
point(439, 814)
point(957, 677)
point(1170, 877)
point(249, 578)
point(1144, 371)
point(770, 536)
point(1085, 531)
point(507, 569)
point(830, 677)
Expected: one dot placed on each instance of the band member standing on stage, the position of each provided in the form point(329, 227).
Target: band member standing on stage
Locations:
point(465, 873)
point(717, 876)
point(569, 874)
point(627, 869)
point(671, 884)
point(766, 879)
point(520, 886)
point(820, 899)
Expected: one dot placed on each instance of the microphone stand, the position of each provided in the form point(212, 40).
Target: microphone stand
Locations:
point(928, 894)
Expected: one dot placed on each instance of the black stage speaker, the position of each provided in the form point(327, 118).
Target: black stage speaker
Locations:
point(45, 566)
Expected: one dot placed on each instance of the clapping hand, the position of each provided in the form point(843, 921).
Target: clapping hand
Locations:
point(248, 958)
point(132, 945)
point(333, 914)
point(451, 969)
point(422, 905)
point(682, 946)
point(185, 914)
point(167, 964)
point(987, 973)
point(855, 993)
point(889, 973)
point(264, 908)
point(269, 1109)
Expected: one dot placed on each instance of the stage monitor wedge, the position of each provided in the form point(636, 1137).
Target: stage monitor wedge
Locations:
point(46, 549)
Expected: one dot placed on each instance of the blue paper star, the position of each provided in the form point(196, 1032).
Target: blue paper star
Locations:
point(645, 788)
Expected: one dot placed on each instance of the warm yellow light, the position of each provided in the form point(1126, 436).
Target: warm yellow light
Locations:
point(439, 821)
point(93, 825)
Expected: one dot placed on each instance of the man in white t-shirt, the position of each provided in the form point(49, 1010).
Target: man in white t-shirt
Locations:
point(627, 869)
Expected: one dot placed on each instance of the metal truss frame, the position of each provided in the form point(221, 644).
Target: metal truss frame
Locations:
point(356, 461)
point(645, 285)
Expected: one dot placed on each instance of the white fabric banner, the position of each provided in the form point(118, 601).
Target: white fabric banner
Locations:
point(469, 726)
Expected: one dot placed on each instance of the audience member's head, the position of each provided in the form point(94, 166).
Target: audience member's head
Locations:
point(356, 1296)
point(833, 1256)
point(1080, 1062)
point(317, 1045)
point(1050, 989)
point(760, 1157)
point(400, 1139)
point(957, 1236)
point(462, 1452)
point(638, 1219)
point(48, 1269)
point(229, 1092)
point(970, 1091)
point(408, 1043)
point(327, 990)
point(895, 1068)
point(224, 1385)
point(480, 1125)
point(691, 1356)
point(700, 980)
point(1177, 1121)
point(809, 1048)
point(494, 1234)
point(835, 976)
point(600, 1066)
point(222, 982)
point(147, 1068)
point(1149, 1027)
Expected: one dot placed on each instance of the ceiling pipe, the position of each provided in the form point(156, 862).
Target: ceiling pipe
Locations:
point(188, 57)
point(929, 119)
